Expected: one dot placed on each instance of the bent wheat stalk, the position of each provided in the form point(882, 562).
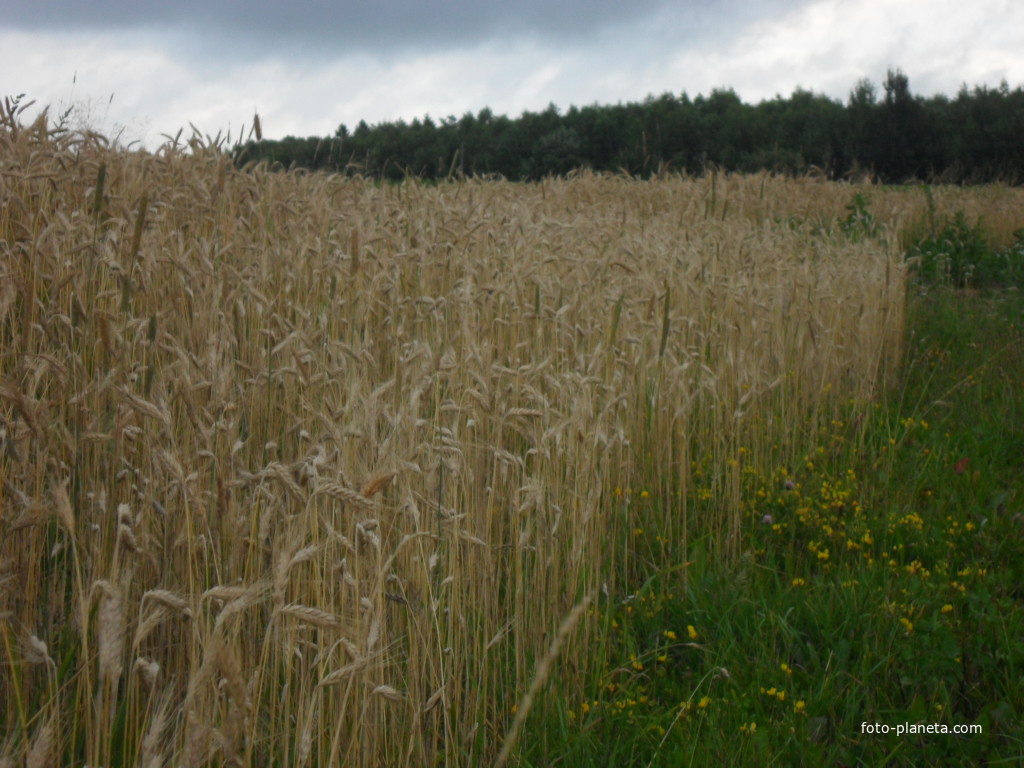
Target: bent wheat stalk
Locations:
point(540, 678)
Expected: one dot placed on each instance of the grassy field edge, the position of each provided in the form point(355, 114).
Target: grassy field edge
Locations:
point(879, 589)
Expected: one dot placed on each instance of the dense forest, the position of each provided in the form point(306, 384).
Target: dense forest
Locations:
point(891, 134)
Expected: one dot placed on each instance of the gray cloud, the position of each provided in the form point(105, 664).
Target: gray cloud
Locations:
point(351, 24)
point(387, 26)
point(309, 66)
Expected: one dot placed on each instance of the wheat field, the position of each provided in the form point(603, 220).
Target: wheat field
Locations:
point(301, 469)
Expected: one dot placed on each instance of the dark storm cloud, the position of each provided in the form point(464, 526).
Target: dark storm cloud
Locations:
point(348, 23)
point(390, 25)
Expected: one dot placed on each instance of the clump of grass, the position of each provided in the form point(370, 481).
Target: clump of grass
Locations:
point(962, 255)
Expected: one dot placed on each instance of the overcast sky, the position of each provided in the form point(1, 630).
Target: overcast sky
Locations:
point(147, 68)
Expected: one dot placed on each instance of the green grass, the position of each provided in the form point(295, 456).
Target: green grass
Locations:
point(881, 582)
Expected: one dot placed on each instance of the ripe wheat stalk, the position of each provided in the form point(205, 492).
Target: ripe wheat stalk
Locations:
point(321, 451)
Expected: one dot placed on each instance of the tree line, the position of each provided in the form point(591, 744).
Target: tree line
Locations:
point(891, 134)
